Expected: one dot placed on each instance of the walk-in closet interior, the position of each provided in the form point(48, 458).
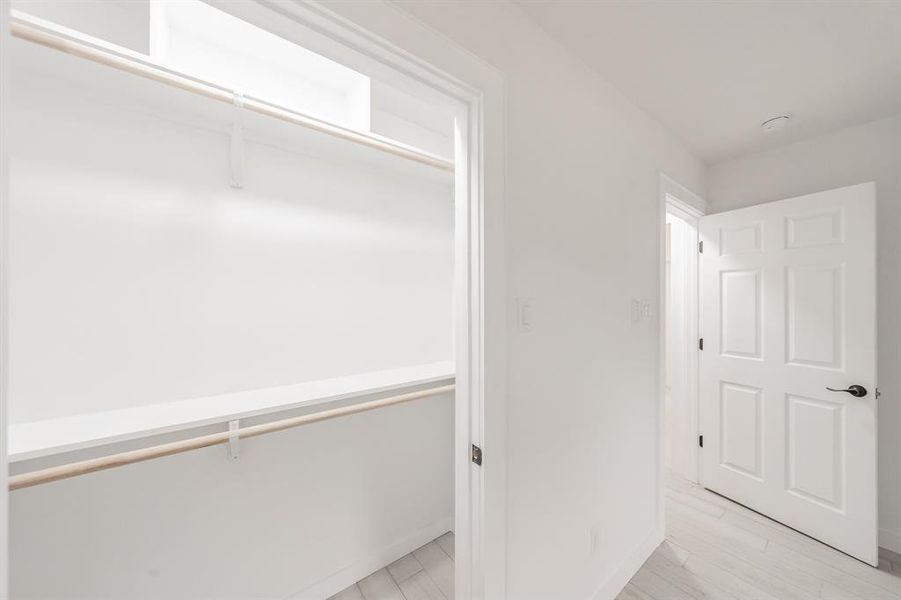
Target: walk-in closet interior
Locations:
point(224, 224)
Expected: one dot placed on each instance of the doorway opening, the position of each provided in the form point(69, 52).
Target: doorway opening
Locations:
point(679, 330)
point(277, 256)
point(758, 380)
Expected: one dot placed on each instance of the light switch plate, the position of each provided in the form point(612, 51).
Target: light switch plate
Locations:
point(595, 539)
point(635, 310)
point(524, 315)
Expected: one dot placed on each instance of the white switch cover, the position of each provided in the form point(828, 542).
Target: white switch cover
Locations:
point(595, 538)
point(524, 314)
point(635, 311)
point(646, 309)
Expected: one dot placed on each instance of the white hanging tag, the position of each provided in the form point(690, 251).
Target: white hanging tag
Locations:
point(236, 154)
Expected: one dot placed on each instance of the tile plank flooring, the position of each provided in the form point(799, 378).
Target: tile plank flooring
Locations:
point(716, 549)
point(427, 573)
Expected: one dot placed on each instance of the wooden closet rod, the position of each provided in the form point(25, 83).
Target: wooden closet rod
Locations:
point(24, 480)
point(44, 33)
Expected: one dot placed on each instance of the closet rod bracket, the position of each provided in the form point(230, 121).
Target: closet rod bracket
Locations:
point(233, 437)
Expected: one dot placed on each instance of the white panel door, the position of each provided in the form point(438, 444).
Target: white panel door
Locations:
point(788, 305)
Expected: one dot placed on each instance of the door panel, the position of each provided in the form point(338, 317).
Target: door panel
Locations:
point(815, 451)
point(741, 428)
point(740, 300)
point(788, 305)
point(813, 305)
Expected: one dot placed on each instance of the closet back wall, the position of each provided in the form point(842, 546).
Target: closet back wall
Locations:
point(139, 276)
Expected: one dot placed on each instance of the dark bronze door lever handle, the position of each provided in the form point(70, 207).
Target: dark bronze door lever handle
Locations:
point(858, 391)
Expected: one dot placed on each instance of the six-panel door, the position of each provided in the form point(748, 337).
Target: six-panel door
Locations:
point(788, 305)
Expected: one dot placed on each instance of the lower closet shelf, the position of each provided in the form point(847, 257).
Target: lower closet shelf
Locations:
point(54, 436)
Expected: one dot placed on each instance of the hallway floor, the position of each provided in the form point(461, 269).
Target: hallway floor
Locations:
point(714, 550)
point(720, 550)
point(425, 574)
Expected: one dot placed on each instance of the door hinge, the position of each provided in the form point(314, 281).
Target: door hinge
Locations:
point(701, 246)
point(701, 441)
point(700, 343)
point(476, 455)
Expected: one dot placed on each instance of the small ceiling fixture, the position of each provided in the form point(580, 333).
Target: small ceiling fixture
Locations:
point(774, 123)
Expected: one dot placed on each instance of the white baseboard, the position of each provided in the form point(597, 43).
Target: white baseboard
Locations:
point(628, 567)
point(890, 540)
point(373, 561)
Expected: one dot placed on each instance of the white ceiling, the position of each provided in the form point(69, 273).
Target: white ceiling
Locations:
point(712, 71)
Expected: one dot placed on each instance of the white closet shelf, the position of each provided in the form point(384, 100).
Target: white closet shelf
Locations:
point(39, 31)
point(54, 436)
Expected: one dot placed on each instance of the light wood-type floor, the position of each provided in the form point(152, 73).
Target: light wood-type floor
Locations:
point(714, 550)
point(424, 574)
point(720, 550)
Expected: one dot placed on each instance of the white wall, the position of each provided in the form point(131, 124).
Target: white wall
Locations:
point(294, 509)
point(582, 226)
point(193, 37)
point(123, 22)
point(870, 152)
point(411, 120)
point(582, 195)
point(139, 275)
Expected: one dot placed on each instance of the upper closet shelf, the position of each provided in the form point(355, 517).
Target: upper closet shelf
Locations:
point(39, 31)
point(54, 436)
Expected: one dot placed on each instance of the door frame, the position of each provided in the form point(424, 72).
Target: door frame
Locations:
point(677, 200)
point(387, 36)
point(4, 295)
